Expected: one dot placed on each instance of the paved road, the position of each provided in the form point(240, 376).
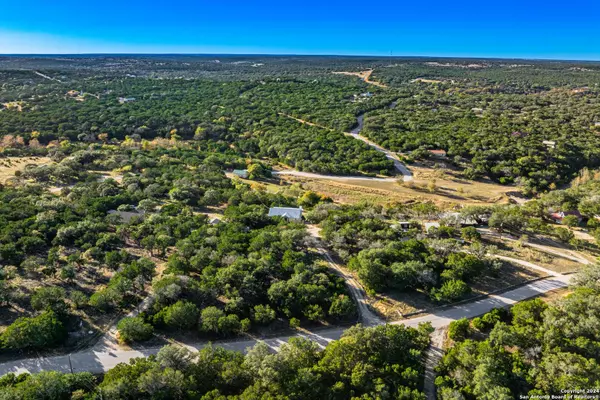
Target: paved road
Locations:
point(102, 361)
point(366, 316)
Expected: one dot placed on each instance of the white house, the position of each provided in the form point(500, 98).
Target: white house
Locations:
point(289, 213)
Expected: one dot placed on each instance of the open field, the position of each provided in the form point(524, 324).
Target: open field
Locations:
point(448, 191)
point(9, 165)
point(14, 105)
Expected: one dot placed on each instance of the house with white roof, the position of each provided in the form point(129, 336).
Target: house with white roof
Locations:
point(289, 213)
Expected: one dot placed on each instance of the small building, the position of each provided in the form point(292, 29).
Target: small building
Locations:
point(73, 93)
point(126, 99)
point(289, 213)
point(214, 221)
point(597, 124)
point(558, 216)
point(477, 110)
point(549, 143)
point(241, 173)
point(438, 153)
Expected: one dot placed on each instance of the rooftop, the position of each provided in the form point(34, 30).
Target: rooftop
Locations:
point(286, 212)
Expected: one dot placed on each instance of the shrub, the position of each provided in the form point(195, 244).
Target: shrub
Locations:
point(245, 325)
point(470, 234)
point(342, 307)
point(459, 330)
point(263, 314)
point(134, 329)
point(79, 299)
point(104, 299)
point(489, 320)
point(314, 312)
point(209, 319)
point(229, 325)
point(478, 324)
point(294, 323)
point(39, 332)
point(450, 291)
point(49, 298)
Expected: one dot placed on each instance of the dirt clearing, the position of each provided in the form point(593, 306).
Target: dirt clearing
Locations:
point(364, 75)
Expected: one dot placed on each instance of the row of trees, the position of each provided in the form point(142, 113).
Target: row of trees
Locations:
point(384, 362)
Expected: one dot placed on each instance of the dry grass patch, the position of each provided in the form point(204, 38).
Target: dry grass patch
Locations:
point(446, 195)
point(546, 260)
point(10, 165)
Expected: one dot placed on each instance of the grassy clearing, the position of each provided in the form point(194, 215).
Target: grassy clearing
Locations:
point(9, 165)
point(550, 261)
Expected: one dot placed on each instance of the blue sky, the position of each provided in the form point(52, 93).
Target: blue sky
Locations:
point(503, 28)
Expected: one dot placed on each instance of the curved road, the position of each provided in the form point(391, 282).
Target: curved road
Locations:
point(355, 133)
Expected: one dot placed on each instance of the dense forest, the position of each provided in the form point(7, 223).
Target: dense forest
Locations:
point(531, 123)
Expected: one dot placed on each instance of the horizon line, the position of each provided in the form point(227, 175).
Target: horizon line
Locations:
point(296, 55)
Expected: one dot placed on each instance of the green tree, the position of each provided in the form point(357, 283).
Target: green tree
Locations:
point(181, 315)
point(49, 298)
point(263, 314)
point(459, 330)
point(134, 329)
point(209, 319)
point(450, 291)
point(342, 307)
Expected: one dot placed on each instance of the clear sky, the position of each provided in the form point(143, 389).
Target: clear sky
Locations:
point(565, 29)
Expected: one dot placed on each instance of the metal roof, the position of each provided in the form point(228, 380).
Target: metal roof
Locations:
point(286, 212)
